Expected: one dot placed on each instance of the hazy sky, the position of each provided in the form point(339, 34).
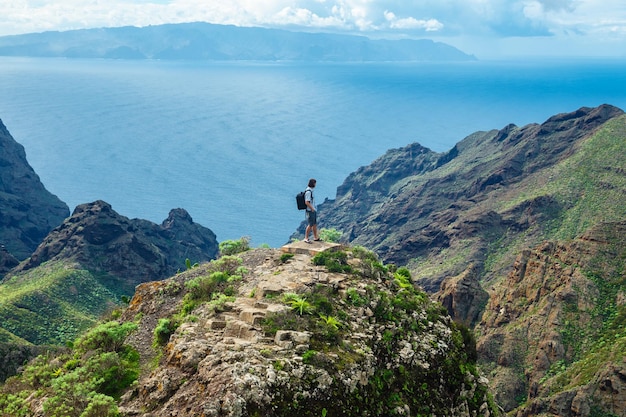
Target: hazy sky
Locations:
point(486, 28)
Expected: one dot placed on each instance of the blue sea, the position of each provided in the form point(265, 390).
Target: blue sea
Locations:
point(233, 142)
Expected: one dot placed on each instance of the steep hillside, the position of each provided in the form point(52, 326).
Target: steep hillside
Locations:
point(494, 194)
point(552, 338)
point(520, 233)
point(267, 333)
point(88, 263)
point(28, 210)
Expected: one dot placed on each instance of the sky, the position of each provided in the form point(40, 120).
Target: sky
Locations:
point(485, 28)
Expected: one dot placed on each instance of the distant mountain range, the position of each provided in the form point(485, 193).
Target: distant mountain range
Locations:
point(205, 41)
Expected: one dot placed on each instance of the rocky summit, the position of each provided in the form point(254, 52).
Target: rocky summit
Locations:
point(88, 265)
point(284, 334)
point(135, 250)
point(28, 210)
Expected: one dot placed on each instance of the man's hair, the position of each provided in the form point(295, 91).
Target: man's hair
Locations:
point(312, 182)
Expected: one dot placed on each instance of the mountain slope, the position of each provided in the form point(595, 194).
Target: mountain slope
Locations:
point(28, 210)
point(520, 233)
point(492, 195)
point(219, 42)
point(267, 333)
point(85, 266)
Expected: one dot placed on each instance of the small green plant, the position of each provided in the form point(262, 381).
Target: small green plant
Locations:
point(233, 247)
point(402, 277)
point(163, 330)
point(308, 356)
point(218, 303)
point(301, 306)
point(189, 265)
point(330, 235)
point(330, 321)
point(286, 257)
point(354, 298)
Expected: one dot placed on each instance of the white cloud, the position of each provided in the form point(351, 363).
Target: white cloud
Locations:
point(412, 23)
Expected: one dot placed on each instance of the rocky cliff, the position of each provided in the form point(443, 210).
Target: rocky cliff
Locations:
point(443, 212)
point(317, 331)
point(135, 250)
point(27, 210)
point(552, 335)
point(518, 232)
point(85, 266)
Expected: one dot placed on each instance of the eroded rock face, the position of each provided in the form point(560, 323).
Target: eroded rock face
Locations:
point(228, 362)
point(463, 296)
point(28, 212)
point(136, 250)
point(544, 318)
point(413, 203)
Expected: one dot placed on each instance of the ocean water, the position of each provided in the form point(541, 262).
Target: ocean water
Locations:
point(232, 143)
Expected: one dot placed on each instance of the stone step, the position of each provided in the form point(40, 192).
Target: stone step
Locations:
point(238, 329)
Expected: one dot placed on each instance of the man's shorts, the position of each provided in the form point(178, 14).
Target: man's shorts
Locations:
point(311, 217)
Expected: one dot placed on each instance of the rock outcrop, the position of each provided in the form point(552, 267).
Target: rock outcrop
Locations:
point(89, 264)
point(519, 232)
point(28, 212)
point(542, 331)
point(295, 339)
point(134, 250)
point(441, 212)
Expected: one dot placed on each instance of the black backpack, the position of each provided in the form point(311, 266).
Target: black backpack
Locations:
point(300, 200)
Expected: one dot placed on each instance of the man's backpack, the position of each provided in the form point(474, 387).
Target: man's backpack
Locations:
point(300, 200)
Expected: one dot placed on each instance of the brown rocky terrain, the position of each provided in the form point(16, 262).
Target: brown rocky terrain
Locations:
point(255, 355)
point(519, 234)
point(28, 210)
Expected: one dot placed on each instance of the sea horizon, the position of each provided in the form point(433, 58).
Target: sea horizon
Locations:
point(234, 142)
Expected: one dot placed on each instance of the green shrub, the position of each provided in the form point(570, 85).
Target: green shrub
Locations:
point(232, 247)
point(354, 298)
point(163, 330)
point(334, 261)
point(285, 257)
point(107, 337)
point(84, 382)
point(330, 235)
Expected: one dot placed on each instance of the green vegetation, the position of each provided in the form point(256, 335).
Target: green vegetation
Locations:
point(585, 184)
point(335, 261)
point(83, 382)
point(330, 235)
point(402, 313)
point(214, 288)
point(54, 302)
point(233, 247)
point(285, 257)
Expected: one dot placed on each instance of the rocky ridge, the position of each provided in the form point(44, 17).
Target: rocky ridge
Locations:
point(552, 336)
point(134, 250)
point(518, 233)
point(413, 205)
point(27, 210)
point(391, 351)
point(88, 264)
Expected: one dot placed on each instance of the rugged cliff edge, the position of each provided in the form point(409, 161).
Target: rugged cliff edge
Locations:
point(27, 210)
point(519, 233)
point(269, 333)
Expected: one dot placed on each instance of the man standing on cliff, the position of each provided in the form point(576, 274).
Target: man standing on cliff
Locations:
point(311, 213)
